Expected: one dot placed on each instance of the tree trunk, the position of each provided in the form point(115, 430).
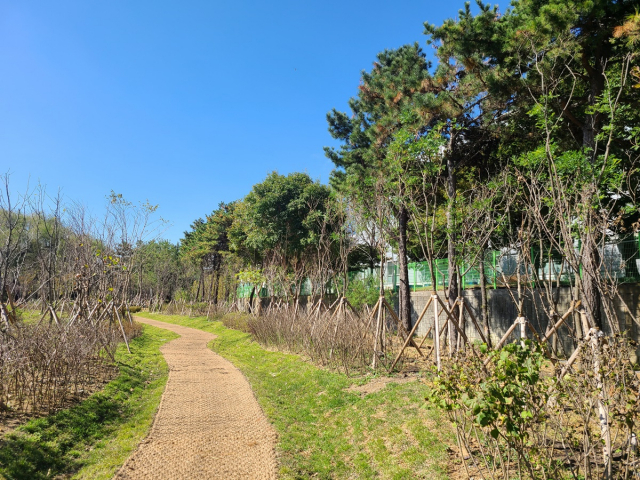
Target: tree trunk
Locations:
point(216, 286)
point(590, 254)
point(199, 283)
point(484, 304)
point(591, 269)
point(452, 292)
point(404, 294)
point(251, 299)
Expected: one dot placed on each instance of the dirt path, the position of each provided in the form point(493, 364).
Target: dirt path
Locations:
point(209, 425)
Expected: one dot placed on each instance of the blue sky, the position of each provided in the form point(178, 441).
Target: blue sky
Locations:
point(184, 104)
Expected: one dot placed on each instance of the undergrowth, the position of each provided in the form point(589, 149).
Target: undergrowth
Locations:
point(93, 438)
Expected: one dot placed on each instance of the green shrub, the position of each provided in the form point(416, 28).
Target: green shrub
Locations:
point(361, 292)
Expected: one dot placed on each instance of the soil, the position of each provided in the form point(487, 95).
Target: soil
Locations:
point(209, 424)
point(378, 384)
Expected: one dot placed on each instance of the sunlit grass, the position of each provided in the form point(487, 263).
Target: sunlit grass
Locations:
point(325, 431)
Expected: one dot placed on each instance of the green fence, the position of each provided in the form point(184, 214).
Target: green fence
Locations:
point(620, 262)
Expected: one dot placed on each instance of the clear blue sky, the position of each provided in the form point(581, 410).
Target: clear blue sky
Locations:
point(188, 103)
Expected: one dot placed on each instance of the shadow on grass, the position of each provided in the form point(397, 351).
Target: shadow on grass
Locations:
point(53, 445)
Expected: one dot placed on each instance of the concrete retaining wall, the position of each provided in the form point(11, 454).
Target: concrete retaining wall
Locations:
point(503, 311)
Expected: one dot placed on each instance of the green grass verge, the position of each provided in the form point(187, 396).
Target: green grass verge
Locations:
point(93, 438)
point(327, 432)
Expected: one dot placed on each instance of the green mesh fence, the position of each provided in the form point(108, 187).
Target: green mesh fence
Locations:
point(620, 263)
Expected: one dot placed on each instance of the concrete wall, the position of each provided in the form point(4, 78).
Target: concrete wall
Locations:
point(503, 311)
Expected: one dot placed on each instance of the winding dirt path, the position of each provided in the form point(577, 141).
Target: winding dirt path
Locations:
point(209, 425)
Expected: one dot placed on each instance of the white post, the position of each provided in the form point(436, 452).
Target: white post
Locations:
point(523, 329)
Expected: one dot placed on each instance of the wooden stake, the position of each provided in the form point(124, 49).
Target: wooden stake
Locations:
point(596, 343)
point(335, 332)
point(474, 320)
point(410, 336)
point(400, 326)
point(12, 313)
point(425, 336)
point(506, 335)
point(131, 319)
point(377, 308)
point(126, 342)
point(502, 340)
point(459, 343)
point(53, 314)
point(559, 323)
point(572, 359)
point(370, 319)
point(436, 330)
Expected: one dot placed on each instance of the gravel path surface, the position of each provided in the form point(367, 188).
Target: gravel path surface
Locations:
point(209, 424)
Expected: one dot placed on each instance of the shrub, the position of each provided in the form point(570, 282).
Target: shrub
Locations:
point(520, 417)
point(361, 292)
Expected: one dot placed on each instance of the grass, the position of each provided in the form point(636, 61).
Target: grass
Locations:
point(327, 432)
point(93, 438)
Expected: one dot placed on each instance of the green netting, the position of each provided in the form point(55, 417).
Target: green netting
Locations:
point(620, 262)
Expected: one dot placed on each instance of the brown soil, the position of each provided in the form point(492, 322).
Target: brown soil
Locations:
point(209, 424)
point(378, 384)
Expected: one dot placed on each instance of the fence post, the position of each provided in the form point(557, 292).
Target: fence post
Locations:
point(637, 256)
point(463, 279)
point(395, 276)
point(415, 275)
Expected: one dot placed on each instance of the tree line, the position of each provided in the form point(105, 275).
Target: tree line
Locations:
point(520, 133)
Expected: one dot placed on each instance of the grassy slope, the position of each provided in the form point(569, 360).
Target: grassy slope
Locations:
point(92, 439)
point(326, 432)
